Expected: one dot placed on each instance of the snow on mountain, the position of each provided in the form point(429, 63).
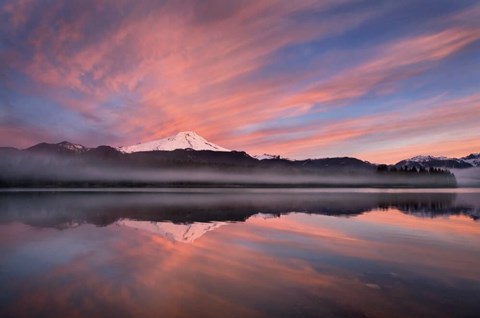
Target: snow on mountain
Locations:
point(61, 147)
point(185, 233)
point(472, 160)
point(72, 147)
point(267, 156)
point(422, 158)
point(182, 140)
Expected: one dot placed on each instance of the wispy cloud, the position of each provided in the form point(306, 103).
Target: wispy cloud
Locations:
point(138, 71)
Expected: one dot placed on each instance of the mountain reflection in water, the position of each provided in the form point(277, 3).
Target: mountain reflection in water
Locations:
point(252, 253)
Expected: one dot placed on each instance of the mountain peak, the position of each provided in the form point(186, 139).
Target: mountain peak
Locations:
point(473, 159)
point(182, 140)
point(187, 133)
point(472, 156)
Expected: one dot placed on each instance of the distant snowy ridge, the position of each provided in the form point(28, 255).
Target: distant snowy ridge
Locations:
point(267, 156)
point(424, 158)
point(182, 140)
point(472, 160)
point(72, 147)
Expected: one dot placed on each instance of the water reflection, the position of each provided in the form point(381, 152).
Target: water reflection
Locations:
point(253, 254)
point(66, 209)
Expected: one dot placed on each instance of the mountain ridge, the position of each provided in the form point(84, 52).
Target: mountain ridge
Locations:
point(189, 140)
point(426, 161)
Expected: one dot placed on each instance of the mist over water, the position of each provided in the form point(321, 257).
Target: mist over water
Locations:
point(467, 177)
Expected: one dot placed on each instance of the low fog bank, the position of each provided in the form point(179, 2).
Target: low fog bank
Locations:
point(467, 177)
point(54, 171)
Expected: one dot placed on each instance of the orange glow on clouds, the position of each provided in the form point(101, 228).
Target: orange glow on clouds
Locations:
point(218, 68)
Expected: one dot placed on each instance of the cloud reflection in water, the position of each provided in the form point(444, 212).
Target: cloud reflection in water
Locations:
point(392, 260)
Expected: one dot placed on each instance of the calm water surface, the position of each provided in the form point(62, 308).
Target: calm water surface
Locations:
point(240, 253)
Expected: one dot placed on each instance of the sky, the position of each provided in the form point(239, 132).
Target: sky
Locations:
point(378, 80)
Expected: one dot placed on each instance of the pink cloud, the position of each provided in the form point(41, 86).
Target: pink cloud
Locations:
point(383, 137)
point(187, 69)
point(394, 62)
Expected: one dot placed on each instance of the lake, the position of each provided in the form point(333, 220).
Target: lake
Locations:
point(240, 253)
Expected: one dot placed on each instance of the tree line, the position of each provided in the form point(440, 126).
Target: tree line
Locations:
point(405, 169)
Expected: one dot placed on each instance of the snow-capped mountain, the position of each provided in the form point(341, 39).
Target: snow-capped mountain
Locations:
point(182, 140)
point(469, 161)
point(185, 233)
